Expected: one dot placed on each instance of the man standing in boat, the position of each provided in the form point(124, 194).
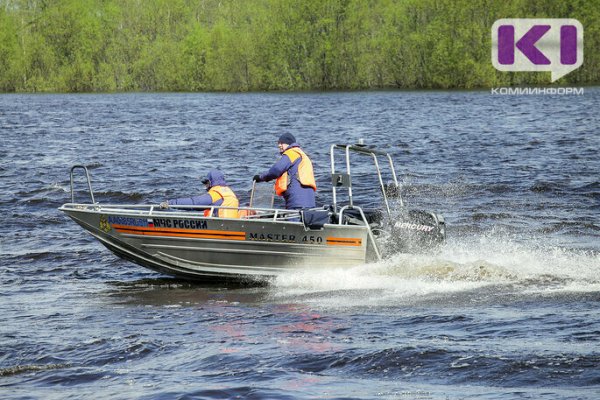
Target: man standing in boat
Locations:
point(219, 194)
point(295, 180)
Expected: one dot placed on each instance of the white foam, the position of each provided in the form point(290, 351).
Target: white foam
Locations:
point(461, 265)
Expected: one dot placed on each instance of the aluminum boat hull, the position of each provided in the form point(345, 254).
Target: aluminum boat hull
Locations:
point(189, 246)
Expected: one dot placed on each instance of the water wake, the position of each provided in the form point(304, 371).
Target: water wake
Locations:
point(461, 266)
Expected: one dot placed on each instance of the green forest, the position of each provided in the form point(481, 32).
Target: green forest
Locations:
point(270, 45)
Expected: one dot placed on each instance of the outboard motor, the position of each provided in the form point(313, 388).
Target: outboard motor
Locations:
point(399, 229)
point(417, 231)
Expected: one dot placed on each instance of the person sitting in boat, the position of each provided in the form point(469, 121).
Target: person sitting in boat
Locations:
point(219, 194)
point(295, 180)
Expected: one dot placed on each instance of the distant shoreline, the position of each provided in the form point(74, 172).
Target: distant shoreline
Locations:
point(95, 46)
point(332, 91)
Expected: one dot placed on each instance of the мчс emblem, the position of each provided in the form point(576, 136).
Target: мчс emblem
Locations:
point(104, 225)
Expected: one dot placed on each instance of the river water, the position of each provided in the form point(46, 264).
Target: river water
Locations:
point(508, 308)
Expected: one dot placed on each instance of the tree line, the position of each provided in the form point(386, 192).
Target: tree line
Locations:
point(262, 45)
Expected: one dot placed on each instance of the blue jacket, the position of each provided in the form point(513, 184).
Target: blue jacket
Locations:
point(216, 178)
point(296, 196)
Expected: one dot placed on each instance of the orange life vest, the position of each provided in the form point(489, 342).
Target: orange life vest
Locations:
point(246, 213)
point(229, 200)
point(305, 172)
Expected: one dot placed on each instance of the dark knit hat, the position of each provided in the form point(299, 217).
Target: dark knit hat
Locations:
point(287, 138)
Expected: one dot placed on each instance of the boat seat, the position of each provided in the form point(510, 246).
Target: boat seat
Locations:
point(315, 219)
point(353, 217)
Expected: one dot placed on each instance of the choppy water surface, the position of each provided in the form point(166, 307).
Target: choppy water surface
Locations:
point(509, 308)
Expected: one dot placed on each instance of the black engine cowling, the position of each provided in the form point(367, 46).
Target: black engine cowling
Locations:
point(416, 231)
point(410, 231)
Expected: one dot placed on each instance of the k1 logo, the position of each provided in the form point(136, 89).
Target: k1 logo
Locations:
point(547, 44)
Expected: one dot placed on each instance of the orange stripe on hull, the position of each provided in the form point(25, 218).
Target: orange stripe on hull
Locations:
point(191, 233)
point(334, 241)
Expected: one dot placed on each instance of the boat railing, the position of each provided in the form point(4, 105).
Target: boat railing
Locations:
point(153, 210)
point(344, 179)
point(149, 210)
point(89, 182)
point(364, 218)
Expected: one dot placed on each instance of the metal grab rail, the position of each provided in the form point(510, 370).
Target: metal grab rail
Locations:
point(89, 182)
point(345, 180)
point(255, 213)
point(252, 192)
point(152, 210)
point(369, 231)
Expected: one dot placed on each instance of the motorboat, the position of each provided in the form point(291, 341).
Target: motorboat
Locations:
point(265, 241)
